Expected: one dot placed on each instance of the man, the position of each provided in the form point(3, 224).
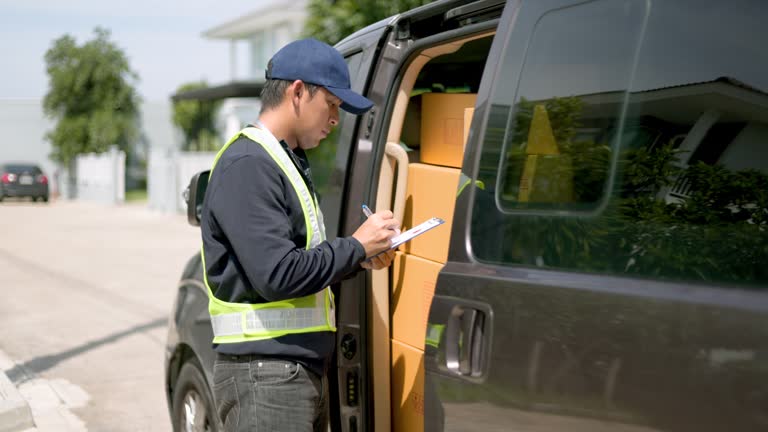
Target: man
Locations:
point(267, 264)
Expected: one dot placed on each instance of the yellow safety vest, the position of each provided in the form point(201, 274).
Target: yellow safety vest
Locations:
point(242, 322)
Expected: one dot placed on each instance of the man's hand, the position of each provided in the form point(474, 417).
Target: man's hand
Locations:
point(375, 235)
point(379, 261)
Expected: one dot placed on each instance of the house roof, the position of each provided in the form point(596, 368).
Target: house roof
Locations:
point(267, 16)
point(229, 90)
point(723, 79)
point(683, 102)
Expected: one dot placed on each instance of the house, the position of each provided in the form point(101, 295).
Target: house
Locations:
point(253, 39)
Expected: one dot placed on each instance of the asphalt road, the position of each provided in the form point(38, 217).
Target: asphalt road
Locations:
point(85, 300)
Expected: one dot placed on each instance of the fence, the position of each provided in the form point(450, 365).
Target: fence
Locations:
point(168, 176)
point(101, 177)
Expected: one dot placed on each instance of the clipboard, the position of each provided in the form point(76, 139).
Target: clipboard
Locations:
point(416, 231)
point(412, 233)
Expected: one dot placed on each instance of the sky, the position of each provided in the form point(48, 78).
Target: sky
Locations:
point(162, 39)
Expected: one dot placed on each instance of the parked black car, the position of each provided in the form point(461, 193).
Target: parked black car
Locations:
point(602, 170)
point(22, 179)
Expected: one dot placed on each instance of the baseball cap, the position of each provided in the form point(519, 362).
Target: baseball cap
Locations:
point(318, 63)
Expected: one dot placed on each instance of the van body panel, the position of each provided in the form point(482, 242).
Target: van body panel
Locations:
point(605, 256)
point(529, 336)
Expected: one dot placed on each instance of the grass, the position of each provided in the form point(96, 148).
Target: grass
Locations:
point(136, 195)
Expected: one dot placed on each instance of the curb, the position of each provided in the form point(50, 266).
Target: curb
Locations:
point(15, 414)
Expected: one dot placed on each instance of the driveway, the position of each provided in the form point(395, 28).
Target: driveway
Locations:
point(87, 290)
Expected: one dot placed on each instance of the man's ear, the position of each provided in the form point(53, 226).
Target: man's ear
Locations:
point(296, 90)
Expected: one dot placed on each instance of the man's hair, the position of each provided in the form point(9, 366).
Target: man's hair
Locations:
point(274, 90)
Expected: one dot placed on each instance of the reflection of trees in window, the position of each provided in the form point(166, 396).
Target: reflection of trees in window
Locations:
point(571, 177)
point(717, 232)
point(574, 173)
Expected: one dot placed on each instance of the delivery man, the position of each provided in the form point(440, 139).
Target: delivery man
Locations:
point(268, 267)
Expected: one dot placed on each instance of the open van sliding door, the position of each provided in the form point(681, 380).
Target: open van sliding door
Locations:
point(577, 296)
point(382, 379)
point(429, 73)
point(341, 210)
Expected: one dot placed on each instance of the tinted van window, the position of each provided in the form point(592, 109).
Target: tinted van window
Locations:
point(630, 138)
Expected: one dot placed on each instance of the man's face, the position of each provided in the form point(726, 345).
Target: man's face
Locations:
point(318, 115)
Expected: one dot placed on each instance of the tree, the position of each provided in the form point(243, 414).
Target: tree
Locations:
point(717, 232)
point(563, 114)
point(91, 96)
point(332, 20)
point(196, 120)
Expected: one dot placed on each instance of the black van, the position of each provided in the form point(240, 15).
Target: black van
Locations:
point(603, 170)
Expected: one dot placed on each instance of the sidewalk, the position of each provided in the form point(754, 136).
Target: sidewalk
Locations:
point(15, 414)
point(37, 405)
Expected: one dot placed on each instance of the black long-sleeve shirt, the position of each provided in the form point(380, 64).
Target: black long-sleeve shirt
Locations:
point(254, 237)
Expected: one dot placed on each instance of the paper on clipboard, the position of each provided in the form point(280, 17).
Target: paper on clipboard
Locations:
point(412, 233)
point(416, 231)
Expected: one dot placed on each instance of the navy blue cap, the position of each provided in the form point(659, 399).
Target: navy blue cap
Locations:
point(318, 63)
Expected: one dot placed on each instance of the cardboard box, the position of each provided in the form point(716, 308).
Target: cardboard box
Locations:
point(468, 114)
point(413, 287)
point(444, 127)
point(431, 192)
point(407, 388)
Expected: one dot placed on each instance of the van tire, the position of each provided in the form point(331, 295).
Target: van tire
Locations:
point(191, 394)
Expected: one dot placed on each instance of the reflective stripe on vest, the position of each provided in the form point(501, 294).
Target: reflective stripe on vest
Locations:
point(242, 322)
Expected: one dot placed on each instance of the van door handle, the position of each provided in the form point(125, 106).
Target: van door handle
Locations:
point(396, 152)
point(466, 341)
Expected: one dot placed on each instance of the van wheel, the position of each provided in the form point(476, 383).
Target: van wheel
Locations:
point(193, 409)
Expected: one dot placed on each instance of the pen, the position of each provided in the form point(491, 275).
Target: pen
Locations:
point(366, 211)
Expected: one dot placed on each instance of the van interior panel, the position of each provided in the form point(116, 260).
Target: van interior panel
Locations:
point(430, 121)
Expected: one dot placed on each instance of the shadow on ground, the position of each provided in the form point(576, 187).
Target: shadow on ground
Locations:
point(26, 371)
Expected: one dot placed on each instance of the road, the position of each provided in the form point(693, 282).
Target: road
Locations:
point(87, 290)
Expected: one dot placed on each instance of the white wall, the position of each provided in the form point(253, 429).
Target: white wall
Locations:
point(101, 177)
point(747, 149)
point(163, 139)
point(157, 124)
point(234, 114)
point(169, 173)
point(161, 179)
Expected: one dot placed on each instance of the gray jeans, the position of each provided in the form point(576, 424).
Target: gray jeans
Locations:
point(257, 394)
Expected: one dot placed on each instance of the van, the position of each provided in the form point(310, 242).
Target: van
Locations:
point(601, 167)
